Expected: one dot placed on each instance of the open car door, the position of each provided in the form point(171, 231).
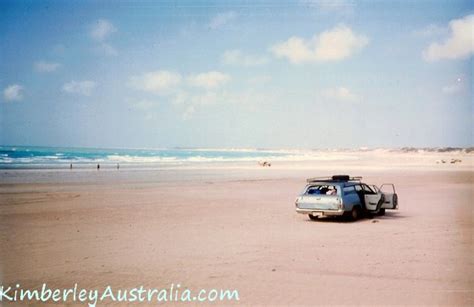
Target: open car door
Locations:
point(390, 196)
point(373, 199)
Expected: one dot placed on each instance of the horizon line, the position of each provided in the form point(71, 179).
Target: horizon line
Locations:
point(247, 148)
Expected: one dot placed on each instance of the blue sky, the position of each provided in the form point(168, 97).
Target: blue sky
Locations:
point(273, 74)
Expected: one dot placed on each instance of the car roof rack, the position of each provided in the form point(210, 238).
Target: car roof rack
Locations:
point(334, 178)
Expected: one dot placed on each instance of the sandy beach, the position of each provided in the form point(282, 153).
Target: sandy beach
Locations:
point(235, 227)
point(158, 153)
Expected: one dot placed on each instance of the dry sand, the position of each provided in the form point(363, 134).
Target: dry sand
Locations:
point(237, 228)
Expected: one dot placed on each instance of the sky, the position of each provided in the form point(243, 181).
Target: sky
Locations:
point(236, 74)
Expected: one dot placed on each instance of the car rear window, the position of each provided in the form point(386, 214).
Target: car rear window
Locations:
point(322, 190)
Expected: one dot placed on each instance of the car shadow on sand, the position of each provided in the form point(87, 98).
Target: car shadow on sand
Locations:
point(342, 219)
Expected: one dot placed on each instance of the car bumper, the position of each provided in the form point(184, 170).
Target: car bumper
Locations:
point(322, 212)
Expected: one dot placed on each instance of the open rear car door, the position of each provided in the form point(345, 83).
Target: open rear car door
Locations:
point(390, 196)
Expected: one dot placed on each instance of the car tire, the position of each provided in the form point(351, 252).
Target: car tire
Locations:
point(356, 213)
point(381, 211)
point(313, 218)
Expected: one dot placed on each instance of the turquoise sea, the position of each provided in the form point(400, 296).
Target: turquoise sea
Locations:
point(59, 157)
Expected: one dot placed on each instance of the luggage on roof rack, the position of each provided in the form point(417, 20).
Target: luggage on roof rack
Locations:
point(334, 178)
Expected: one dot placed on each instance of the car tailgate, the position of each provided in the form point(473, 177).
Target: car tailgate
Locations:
point(318, 202)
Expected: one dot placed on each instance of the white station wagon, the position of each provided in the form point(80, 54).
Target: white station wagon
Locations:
point(342, 195)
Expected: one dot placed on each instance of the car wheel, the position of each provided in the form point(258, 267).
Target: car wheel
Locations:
point(382, 211)
point(355, 214)
point(313, 218)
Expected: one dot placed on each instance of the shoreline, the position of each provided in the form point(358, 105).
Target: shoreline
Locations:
point(152, 160)
point(341, 160)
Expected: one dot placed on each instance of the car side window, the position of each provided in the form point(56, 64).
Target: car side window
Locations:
point(358, 188)
point(368, 190)
point(349, 190)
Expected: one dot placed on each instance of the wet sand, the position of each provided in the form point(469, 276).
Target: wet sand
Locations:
point(237, 229)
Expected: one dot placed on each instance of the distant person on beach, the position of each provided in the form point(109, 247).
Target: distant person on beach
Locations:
point(118, 166)
point(70, 166)
point(98, 166)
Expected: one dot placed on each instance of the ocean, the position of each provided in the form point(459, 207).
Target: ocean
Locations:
point(31, 157)
point(13, 157)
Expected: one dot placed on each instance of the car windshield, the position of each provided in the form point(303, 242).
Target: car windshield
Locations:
point(322, 190)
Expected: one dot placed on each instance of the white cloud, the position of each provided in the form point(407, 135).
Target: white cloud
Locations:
point(458, 45)
point(208, 80)
point(236, 57)
point(79, 87)
point(101, 29)
point(13, 92)
point(43, 66)
point(159, 82)
point(100, 32)
point(199, 90)
point(198, 99)
point(222, 19)
point(341, 94)
point(332, 45)
point(190, 102)
point(295, 49)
